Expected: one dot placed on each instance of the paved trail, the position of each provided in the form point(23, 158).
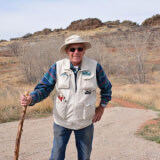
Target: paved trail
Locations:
point(114, 138)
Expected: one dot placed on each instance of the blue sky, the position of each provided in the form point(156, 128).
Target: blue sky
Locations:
point(18, 17)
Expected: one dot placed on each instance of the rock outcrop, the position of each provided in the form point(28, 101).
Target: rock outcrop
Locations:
point(129, 23)
point(112, 23)
point(43, 32)
point(86, 24)
point(27, 35)
point(154, 21)
point(58, 30)
point(116, 23)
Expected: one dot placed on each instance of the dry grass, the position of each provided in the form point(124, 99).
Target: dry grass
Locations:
point(144, 94)
point(10, 108)
point(8, 60)
point(41, 109)
point(151, 131)
point(91, 32)
point(10, 71)
point(11, 74)
point(9, 104)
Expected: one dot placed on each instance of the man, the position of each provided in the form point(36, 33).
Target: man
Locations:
point(76, 80)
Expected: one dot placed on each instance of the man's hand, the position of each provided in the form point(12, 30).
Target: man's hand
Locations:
point(25, 100)
point(98, 114)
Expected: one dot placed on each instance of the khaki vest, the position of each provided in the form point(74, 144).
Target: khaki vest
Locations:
point(74, 109)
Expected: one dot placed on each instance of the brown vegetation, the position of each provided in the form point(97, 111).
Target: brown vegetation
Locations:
point(154, 21)
point(128, 53)
point(146, 95)
point(150, 130)
point(125, 55)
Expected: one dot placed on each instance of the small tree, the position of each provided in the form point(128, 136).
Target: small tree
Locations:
point(38, 56)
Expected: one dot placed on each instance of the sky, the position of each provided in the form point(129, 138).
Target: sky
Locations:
point(19, 17)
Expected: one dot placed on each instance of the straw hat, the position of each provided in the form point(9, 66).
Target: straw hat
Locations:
point(73, 40)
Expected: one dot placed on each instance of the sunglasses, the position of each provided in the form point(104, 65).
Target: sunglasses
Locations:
point(80, 49)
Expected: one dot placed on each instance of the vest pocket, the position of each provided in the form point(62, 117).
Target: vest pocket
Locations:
point(88, 82)
point(61, 108)
point(89, 111)
point(63, 81)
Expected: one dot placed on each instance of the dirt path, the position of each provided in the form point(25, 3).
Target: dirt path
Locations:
point(114, 138)
point(125, 103)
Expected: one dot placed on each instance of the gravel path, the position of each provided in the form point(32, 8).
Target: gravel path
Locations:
point(114, 138)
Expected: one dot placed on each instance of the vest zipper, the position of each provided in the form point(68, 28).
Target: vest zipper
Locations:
point(77, 79)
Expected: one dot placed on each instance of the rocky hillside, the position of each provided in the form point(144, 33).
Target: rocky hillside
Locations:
point(94, 23)
point(89, 23)
point(154, 21)
point(117, 38)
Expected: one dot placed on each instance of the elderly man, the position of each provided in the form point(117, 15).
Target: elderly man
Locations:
point(76, 80)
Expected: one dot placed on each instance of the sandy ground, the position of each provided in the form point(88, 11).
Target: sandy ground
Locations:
point(114, 138)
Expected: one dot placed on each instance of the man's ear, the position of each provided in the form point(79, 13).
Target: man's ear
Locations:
point(66, 51)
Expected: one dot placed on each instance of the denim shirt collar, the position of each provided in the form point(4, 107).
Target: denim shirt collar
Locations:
point(73, 68)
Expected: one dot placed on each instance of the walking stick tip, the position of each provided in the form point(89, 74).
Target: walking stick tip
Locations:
point(26, 93)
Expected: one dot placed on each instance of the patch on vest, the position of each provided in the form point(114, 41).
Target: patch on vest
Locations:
point(64, 74)
point(86, 73)
point(87, 92)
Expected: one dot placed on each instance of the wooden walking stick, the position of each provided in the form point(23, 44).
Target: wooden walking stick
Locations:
point(20, 129)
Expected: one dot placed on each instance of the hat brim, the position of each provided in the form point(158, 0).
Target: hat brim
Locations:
point(63, 47)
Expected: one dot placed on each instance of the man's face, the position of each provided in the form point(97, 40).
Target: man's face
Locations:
point(76, 53)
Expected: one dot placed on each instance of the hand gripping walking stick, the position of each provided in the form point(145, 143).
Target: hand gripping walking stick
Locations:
point(20, 129)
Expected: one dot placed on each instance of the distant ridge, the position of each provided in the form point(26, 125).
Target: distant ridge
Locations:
point(154, 21)
point(94, 23)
